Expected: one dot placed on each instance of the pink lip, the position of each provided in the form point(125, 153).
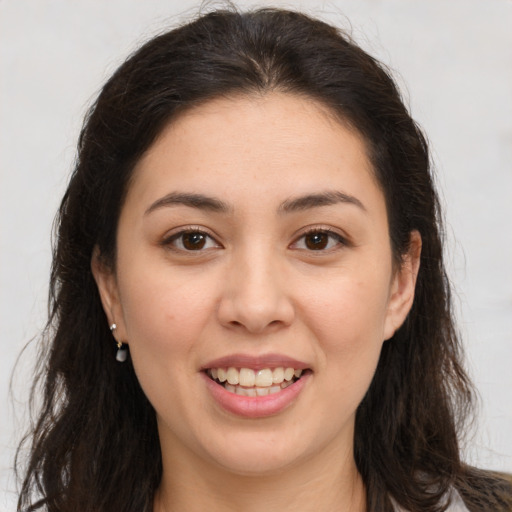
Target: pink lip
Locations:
point(256, 362)
point(259, 406)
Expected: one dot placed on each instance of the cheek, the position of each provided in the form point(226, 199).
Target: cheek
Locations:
point(348, 318)
point(165, 318)
point(349, 310)
point(164, 312)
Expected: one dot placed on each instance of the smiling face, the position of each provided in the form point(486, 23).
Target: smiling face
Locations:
point(254, 237)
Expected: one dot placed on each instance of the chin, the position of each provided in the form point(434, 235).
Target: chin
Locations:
point(260, 465)
point(254, 455)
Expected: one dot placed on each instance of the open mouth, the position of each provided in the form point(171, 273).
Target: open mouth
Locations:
point(254, 383)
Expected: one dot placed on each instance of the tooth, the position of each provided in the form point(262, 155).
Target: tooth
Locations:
point(288, 374)
point(213, 373)
point(262, 391)
point(286, 383)
point(233, 376)
point(274, 389)
point(264, 378)
point(239, 390)
point(229, 388)
point(297, 373)
point(278, 375)
point(221, 375)
point(246, 377)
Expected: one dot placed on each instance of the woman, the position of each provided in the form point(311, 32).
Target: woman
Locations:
point(249, 304)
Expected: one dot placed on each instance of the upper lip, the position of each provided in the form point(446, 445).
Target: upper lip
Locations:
point(256, 362)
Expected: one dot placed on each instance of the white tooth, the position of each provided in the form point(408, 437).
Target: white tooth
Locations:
point(288, 374)
point(262, 391)
point(246, 377)
point(297, 373)
point(221, 374)
point(264, 378)
point(213, 373)
point(274, 389)
point(278, 375)
point(239, 390)
point(233, 376)
point(286, 383)
point(230, 388)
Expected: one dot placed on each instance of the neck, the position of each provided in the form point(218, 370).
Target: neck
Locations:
point(324, 483)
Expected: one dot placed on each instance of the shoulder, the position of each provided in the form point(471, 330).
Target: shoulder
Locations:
point(476, 490)
point(455, 503)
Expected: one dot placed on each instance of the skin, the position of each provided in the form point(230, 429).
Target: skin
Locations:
point(257, 287)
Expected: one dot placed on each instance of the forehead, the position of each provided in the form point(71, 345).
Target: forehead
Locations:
point(271, 144)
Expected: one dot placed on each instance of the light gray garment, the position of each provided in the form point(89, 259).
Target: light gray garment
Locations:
point(457, 505)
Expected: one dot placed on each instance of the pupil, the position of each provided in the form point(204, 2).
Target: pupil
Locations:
point(194, 241)
point(317, 241)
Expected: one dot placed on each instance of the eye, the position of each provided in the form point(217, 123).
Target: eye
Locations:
point(191, 240)
point(319, 240)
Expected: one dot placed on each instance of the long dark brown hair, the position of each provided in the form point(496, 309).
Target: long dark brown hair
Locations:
point(94, 445)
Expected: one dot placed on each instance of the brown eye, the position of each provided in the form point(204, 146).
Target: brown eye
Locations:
point(316, 241)
point(319, 240)
point(191, 241)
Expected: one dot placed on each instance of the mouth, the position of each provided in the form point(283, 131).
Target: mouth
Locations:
point(255, 383)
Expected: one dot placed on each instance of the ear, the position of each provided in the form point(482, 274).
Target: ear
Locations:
point(403, 286)
point(106, 282)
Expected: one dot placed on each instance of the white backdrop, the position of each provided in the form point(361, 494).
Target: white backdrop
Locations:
point(454, 62)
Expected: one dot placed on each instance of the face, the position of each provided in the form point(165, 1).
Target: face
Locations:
point(253, 246)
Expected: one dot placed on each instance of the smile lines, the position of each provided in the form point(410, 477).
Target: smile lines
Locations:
point(248, 382)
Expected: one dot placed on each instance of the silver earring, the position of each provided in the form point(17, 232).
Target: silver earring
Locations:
point(122, 351)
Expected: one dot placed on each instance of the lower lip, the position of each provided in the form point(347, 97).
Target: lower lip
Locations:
point(258, 406)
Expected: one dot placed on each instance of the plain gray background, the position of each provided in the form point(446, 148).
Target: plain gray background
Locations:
point(453, 61)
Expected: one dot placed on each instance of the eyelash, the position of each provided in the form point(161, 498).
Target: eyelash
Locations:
point(171, 240)
point(340, 240)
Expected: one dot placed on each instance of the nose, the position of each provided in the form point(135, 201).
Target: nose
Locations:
point(254, 296)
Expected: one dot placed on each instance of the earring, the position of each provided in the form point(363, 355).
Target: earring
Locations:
point(122, 351)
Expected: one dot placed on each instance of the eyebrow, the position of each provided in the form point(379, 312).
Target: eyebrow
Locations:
point(327, 198)
point(200, 201)
point(212, 204)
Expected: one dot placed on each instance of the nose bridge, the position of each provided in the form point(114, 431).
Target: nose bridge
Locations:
point(255, 296)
